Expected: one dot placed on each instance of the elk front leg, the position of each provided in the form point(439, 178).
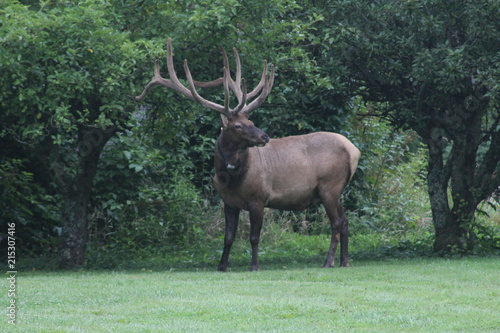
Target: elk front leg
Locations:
point(256, 218)
point(232, 216)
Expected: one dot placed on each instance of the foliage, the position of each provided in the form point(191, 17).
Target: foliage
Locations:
point(67, 70)
point(59, 72)
point(161, 215)
point(486, 228)
point(392, 190)
point(434, 68)
point(25, 203)
point(64, 73)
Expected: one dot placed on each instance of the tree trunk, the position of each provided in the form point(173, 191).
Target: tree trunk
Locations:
point(74, 236)
point(455, 177)
point(447, 231)
point(451, 236)
point(76, 194)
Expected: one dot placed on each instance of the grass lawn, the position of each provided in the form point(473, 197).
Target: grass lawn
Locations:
point(418, 295)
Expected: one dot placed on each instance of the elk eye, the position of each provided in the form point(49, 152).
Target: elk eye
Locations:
point(238, 126)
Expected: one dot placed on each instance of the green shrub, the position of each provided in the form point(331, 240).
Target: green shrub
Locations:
point(32, 208)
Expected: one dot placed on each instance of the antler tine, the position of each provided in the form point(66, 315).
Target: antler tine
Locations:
point(225, 82)
point(228, 83)
point(201, 100)
point(243, 100)
point(216, 82)
point(259, 87)
point(171, 72)
point(211, 84)
point(237, 86)
point(159, 80)
point(267, 84)
point(234, 85)
point(238, 68)
point(155, 81)
point(176, 85)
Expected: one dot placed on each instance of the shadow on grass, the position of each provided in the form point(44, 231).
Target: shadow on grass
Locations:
point(291, 251)
point(185, 260)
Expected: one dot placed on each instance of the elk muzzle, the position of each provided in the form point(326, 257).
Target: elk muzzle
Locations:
point(261, 142)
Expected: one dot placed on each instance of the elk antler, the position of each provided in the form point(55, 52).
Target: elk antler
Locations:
point(237, 86)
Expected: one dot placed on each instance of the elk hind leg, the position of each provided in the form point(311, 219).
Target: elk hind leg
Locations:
point(340, 230)
point(344, 238)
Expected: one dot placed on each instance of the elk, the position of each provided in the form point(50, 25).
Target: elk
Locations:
point(253, 171)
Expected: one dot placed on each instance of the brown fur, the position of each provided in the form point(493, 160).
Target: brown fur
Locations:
point(290, 173)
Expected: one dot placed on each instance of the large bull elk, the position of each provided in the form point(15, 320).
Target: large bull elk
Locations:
point(253, 172)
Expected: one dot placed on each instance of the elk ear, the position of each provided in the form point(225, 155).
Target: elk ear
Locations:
point(224, 121)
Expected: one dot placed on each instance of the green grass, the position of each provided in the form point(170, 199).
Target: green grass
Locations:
point(393, 295)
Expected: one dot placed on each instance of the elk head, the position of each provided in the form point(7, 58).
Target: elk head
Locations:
point(238, 132)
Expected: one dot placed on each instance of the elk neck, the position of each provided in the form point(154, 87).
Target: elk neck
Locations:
point(230, 156)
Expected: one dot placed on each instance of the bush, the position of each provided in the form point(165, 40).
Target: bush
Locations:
point(389, 193)
point(32, 208)
point(486, 228)
point(162, 218)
